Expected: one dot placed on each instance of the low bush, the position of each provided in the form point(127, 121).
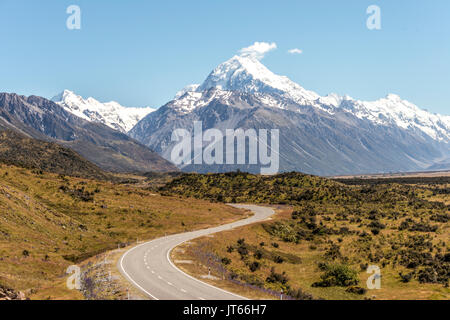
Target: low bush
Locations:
point(337, 275)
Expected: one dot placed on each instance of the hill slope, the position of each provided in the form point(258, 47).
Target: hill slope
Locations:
point(242, 187)
point(20, 150)
point(325, 244)
point(48, 222)
point(109, 149)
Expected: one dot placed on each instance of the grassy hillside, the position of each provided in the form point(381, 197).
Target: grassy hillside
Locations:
point(286, 188)
point(292, 188)
point(322, 246)
point(22, 151)
point(50, 221)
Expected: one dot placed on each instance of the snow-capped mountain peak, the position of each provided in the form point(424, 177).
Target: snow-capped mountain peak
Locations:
point(246, 74)
point(393, 110)
point(393, 97)
point(333, 99)
point(111, 113)
point(189, 88)
point(249, 75)
point(388, 134)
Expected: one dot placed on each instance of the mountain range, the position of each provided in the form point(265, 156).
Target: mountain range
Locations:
point(324, 135)
point(111, 113)
point(111, 150)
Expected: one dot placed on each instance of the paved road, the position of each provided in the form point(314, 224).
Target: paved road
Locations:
point(148, 266)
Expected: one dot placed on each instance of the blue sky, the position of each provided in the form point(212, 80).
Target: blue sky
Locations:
point(141, 52)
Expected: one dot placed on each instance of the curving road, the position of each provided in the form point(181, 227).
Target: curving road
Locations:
point(149, 268)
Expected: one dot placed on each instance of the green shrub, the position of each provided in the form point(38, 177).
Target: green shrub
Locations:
point(406, 277)
point(356, 290)
point(242, 251)
point(258, 254)
point(339, 275)
point(255, 265)
point(299, 294)
point(278, 259)
point(275, 277)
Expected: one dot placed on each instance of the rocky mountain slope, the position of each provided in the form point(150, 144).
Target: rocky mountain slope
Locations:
point(319, 135)
point(111, 113)
point(111, 150)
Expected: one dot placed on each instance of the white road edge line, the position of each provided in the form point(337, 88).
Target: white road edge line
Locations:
point(128, 276)
point(189, 276)
point(175, 267)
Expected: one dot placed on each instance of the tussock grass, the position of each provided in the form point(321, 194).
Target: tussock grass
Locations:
point(402, 228)
point(50, 221)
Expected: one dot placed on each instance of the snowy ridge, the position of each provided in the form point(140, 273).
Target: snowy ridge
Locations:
point(247, 74)
point(189, 88)
point(111, 113)
point(393, 110)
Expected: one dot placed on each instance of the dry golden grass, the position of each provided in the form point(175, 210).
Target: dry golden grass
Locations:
point(197, 269)
point(45, 226)
point(303, 275)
